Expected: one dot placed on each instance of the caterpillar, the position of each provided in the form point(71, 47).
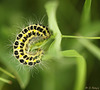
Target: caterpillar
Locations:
point(31, 34)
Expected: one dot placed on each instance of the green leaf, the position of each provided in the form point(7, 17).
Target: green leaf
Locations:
point(88, 29)
point(81, 68)
point(22, 75)
point(70, 53)
point(86, 13)
point(91, 29)
point(49, 79)
point(51, 8)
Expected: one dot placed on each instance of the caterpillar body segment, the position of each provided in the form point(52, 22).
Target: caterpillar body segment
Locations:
point(30, 35)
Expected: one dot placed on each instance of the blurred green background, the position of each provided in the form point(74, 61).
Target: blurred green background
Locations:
point(16, 13)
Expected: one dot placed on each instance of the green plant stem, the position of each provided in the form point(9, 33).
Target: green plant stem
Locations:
point(79, 37)
point(7, 73)
point(81, 68)
point(5, 80)
point(81, 73)
point(54, 48)
point(91, 47)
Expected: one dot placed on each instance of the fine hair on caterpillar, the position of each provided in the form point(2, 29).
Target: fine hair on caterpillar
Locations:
point(44, 65)
point(31, 20)
point(12, 37)
point(37, 19)
point(26, 47)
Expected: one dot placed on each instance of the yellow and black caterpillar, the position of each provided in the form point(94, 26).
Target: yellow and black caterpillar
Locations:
point(31, 34)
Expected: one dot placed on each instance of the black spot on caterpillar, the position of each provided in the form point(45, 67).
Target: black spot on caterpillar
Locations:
point(20, 47)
